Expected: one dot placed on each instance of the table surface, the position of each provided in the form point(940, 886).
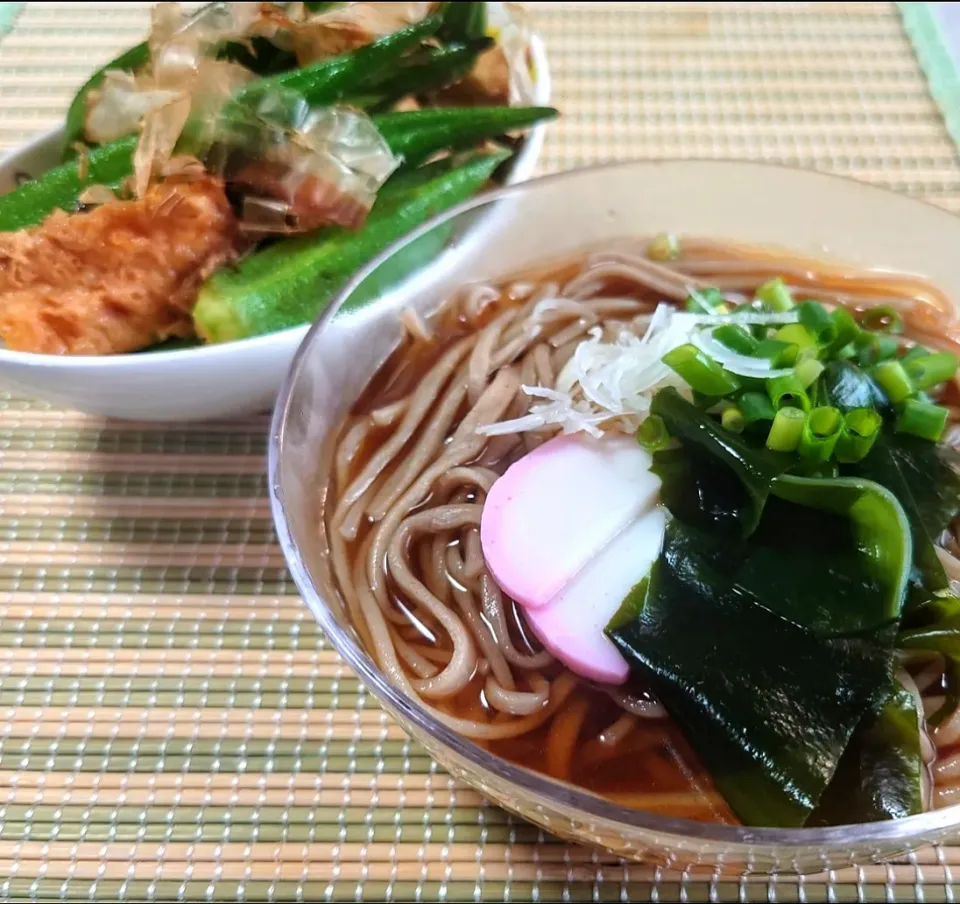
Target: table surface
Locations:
point(171, 722)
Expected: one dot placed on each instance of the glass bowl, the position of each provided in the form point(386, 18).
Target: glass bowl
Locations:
point(493, 237)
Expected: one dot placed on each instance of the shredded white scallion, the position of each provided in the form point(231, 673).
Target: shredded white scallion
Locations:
point(607, 381)
point(741, 365)
point(748, 318)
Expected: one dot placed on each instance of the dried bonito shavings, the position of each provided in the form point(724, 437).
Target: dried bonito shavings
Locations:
point(119, 105)
point(183, 87)
point(315, 167)
point(95, 195)
point(322, 166)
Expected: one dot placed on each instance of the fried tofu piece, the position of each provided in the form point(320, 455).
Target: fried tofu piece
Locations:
point(116, 279)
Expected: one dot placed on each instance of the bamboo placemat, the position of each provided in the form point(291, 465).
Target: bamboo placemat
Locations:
point(172, 725)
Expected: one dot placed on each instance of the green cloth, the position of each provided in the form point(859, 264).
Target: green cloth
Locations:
point(8, 15)
point(933, 33)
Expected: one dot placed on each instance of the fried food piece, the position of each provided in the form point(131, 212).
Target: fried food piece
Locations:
point(119, 278)
point(351, 25)
point(488, 83)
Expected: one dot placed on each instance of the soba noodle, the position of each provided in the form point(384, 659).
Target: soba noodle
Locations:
point(411, 475)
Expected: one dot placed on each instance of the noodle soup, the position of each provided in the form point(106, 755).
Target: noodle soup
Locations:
point(670, 341)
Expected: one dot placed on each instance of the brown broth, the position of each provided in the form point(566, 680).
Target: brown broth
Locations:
point(653, 768)
point(412, 358)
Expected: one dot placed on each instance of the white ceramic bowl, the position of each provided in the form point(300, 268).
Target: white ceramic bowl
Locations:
point(217, 381)
point(813, 213)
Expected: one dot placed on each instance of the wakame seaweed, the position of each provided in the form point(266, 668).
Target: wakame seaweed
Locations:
point(924, 477)
point(846, 386)
point(934, 627)
point(879, 775)
point(743, 477)
point(776, 678)
point(845, 533)
point(927, 485)
point(770, 728)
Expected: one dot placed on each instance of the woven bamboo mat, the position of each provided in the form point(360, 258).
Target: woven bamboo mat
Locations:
point(172, 725)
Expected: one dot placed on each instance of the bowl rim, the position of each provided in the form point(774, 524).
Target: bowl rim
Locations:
point(522, 166)
point(903, 831)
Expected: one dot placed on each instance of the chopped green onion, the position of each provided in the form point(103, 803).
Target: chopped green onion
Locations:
point(882, 319)
point(788, 392)
point(876, 347)
point(699, 370)
point(732, 419)
point(797, 334)
point(663, 247)
point(929, 370)
point(861, 427)
point(751, 384)
point(894, 380)
point(755, 408)
point(736, 338)
point(887, 347)
point(917, 351)
point(707, 301)
point(786, 430)
point(846, 329)
point(820, 433)
point(922, 419)
point(817, 321)
point(779, 354)
point(808, 370)
point(652, 433)
point(776, 295)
